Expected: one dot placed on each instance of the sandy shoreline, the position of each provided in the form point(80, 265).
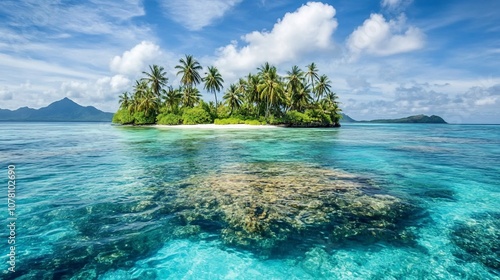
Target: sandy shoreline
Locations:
point(217, 126)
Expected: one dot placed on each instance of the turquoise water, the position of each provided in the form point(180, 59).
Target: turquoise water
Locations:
point(91, 200)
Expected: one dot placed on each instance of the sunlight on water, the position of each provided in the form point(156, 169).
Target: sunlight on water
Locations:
point(96, 201)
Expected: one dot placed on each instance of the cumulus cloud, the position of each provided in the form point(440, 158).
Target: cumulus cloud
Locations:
point(119, 83)
point(195, 14)
point(102, 90)
point(380, 37)
point(136, 60)
point(306, 30)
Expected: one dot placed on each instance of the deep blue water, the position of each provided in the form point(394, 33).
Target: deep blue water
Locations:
point(88, 200)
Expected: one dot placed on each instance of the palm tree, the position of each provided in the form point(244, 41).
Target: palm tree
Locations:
point(330, 98)
point(265, 68)
point(191, 96)
point(312, 74)
point(295, 84)
point(323, 87)
point(213, 83)
point(301, 98)
point(156, 78)
point(172, 98)
point(189, 68)
point(124, 100)
point(294, 79)
point(271, 87)
point(233, 98)
point(241, 87)
point(149, 103)
point(252, 92)
point(330, 106)
point(140, 89)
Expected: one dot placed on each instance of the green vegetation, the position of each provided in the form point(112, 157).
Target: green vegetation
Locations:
point(196, 116)
point(297, 99)
point(413, 119)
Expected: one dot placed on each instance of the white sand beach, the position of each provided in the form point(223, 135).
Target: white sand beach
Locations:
point(218, 126)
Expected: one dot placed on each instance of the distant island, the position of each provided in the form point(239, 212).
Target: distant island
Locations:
point(410, 119)
point(64, 110)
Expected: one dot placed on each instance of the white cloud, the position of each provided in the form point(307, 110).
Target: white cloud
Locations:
point(308, 29)
point(136, 60)
point(382, 38)
point(119, 83)
point(490, 100)
point(195, 14)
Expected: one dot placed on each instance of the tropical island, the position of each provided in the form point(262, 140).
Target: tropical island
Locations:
point(411, 119)
point(299, 99)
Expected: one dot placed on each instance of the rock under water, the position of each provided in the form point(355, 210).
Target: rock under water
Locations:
point(274, 208)
point(479, 238)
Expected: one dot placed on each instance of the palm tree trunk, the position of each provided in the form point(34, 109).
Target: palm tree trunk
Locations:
point(215, 104)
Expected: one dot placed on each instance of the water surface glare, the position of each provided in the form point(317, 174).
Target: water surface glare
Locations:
point(365, 201)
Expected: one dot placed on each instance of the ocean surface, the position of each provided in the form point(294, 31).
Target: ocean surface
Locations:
point(385, 201)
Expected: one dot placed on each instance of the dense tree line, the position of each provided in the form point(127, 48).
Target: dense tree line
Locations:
point(300, 98)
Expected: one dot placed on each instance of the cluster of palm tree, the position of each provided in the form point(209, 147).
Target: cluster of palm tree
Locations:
point(264, 94)
point(269, 94)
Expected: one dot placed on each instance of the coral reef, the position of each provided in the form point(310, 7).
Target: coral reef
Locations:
point(269, 208)
point(479, 238)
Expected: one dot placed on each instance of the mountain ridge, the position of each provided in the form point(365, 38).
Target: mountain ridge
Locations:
point(64, 110)
point(411, 119)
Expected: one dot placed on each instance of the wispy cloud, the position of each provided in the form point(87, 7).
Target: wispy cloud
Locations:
point(396, 6)
point(56, 46)
point(196, 14)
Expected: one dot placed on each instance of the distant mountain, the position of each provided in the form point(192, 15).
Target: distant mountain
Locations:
point(412, 119)
point(64, 110)
point(346, 118)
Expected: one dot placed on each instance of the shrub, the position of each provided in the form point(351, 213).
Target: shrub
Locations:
point(229, 121)
point(123, 116)
point(298, 118)
point(274, 120)
point(318, 116)
point(222, 111)
point(254, 122)
point(142, 118)
point(195, 116)
point(169, 119)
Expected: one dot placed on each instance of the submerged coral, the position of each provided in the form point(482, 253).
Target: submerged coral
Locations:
point(270, 207)
point(479, 238)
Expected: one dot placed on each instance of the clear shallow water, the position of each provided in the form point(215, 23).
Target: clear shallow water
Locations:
point(89, 201)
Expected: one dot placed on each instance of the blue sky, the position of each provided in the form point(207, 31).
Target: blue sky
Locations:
point(386, 59)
